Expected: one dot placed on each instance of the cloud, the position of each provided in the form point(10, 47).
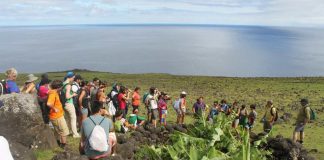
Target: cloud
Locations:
point(245, 12)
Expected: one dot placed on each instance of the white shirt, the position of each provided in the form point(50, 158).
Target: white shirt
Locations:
point(153, 103)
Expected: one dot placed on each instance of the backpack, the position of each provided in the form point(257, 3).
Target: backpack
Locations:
point(312, 114)
point(3, 87)
point(275, 115)
point(78, 92)
point(62, 95)
point(144, 97)
point(114, 98)
point(98, 139)
point(176, 104)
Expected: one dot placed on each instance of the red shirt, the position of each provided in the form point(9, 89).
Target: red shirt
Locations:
point(121, 101)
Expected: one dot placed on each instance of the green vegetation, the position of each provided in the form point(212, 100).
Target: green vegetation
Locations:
point(285, 92)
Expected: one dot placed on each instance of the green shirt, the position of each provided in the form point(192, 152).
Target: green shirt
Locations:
point(70, 100)
point(304, 113)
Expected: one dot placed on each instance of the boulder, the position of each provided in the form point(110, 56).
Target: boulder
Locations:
point(22, 125)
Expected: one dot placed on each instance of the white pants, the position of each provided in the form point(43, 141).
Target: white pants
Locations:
point(69, 108)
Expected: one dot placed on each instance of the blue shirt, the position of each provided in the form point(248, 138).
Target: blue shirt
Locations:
point(12, 87)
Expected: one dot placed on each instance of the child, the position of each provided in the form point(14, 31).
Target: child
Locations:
point(214, 111)
point(163, 108)
point(121, 124)
point(252, 116)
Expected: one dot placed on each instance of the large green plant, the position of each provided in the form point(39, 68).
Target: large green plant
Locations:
point(206, 141)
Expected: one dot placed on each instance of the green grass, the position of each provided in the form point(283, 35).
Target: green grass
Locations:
point(285, 92)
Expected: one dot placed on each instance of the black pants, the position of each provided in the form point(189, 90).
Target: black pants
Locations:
point(45, 111)
point(134, 108)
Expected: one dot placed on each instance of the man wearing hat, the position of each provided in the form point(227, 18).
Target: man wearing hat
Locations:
point(303, 118)
point(68, 104)
point(30, 86)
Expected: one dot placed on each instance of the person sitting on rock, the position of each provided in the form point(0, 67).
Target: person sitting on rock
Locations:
point(135, 120)
point(11, 85)
point(56, 114)
point(30, 86)
point(121, 124)
point(90, 145)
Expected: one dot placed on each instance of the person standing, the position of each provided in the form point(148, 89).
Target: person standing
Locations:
point(123, 97)
point(303, 118)
point(69, 104)
point(163, 107)
point(151, 101)
point(84, 101)
point(252, 116)
point(199, 107)
point(56, 114)
point(182, 108)
point(269, 116)
point(136, 99)
point(42, 98)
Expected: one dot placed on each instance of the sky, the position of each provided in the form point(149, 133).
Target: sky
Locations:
point(308, 13)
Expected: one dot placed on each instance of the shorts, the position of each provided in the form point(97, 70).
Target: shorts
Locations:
point(85, 111)
point(155, 114)
point(267, 127)
point(299, 128)
point(163, 115)
point(60, 126)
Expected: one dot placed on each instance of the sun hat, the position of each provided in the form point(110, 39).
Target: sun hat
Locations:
point(31, 78)
point(183, 93)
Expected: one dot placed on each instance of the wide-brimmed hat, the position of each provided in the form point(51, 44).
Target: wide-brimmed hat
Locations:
point(184, 93)
point(31, 78)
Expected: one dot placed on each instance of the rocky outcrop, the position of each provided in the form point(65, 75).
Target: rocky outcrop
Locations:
point(22, 125)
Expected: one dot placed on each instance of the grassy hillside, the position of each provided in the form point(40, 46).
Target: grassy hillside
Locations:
point(285, 92)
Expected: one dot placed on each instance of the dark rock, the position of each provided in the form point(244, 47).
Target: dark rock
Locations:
point(21, 123)
point(69, 155)
point(121, 138)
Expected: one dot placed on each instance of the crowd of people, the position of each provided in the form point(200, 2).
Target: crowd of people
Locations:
point(97, 113)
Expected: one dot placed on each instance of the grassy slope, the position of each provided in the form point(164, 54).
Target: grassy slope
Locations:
point(285, 92)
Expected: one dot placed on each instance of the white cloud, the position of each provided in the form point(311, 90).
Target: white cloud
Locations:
point(246, 12)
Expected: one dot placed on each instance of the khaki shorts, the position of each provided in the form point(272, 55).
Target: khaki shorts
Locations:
point(155, 114)
point(60, 126)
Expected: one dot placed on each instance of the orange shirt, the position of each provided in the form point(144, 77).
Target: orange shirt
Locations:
point(53, 98)
point(136, 99)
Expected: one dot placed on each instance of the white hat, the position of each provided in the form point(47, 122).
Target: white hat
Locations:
point(31, 78)
point(183, 93)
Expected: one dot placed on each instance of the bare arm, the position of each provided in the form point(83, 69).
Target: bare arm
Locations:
point(30, 88)
point(81, 98)
point(68, 90)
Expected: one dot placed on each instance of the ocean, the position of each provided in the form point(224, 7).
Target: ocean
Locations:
point(210, 50)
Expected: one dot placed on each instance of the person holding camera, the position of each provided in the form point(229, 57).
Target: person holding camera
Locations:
point(152, 102)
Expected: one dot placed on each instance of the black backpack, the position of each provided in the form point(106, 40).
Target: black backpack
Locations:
point(3, 87)
point(275, 115)
point(62, 95)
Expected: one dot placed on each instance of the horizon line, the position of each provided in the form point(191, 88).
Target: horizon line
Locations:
point(152, 24)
